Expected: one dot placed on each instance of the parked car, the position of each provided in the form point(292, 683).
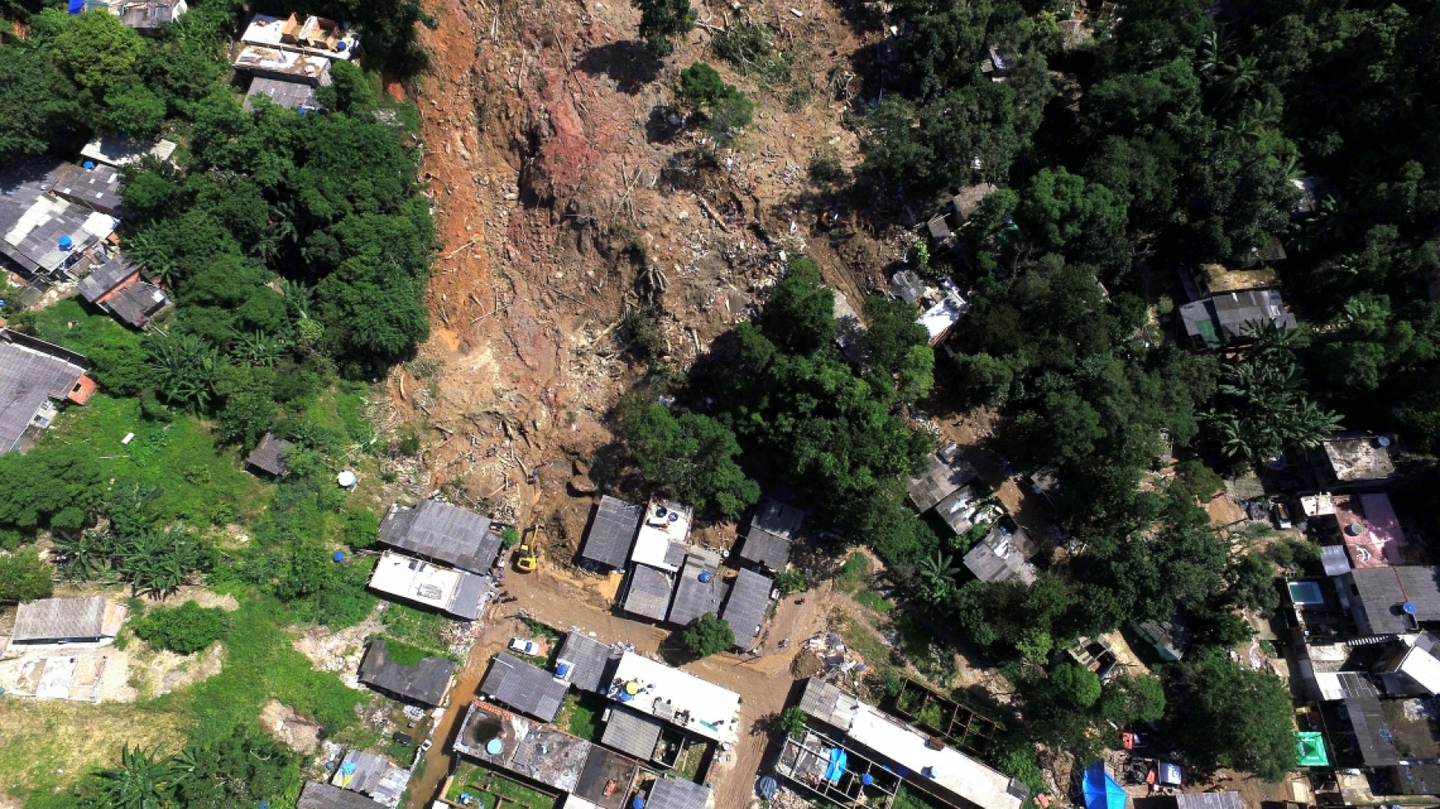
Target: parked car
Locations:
point(526, 647)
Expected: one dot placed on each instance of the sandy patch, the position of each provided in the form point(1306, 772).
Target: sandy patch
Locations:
point(200, 596)
point(290, 728)
point(338, 652)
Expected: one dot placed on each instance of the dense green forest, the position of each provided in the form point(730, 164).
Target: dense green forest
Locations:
point(1171, 140)
point(297, 249)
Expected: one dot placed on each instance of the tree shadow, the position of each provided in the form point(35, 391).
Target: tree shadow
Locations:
point(664, 124)
point(628, 63)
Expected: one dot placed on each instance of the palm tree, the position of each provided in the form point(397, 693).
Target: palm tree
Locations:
point(143, 249)
point(184, 369)
point(937, 576)
point(257, 348)
point(81, 557)
point(297, 296)
point(1240, 75)
point(142, 781)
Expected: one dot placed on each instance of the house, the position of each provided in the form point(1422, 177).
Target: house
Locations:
point(45, 233)
point(524, 687)
point(589, 774)
point(1193, 800)
point(1221, 320)
point(376, 777)
point(442, 533)
point(962, 508)
point(773, 529)
point(612, 532)
point(120, 151)
point(423, 683)
point(946, 472)
point(699, 589)
point(676, 698)
point(1413, 666)
point(292, 95)
point(117, 287)
point(145, 16)
point(34, 375)
point(282, 65)
point(1353, 461)
point(746, 607)
point(661, 541)
point(94, 185)
point(1370, 532)
point(998, 63)
point(630, 732)
point(675, 793)
point(927, 765)
point(310, 35)
point(941, 317)
point(907, 285)
point(1003, 555)
point(648, 591)
point(1393, 600)
point(1170, 639)
point(67, 620)
point(808, 759)
point(269, 456)
point(457, 593)
point(963, 203)
point(585, 662)
point(317, 795)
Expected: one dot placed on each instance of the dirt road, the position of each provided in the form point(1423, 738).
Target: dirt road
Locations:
point(562, 601)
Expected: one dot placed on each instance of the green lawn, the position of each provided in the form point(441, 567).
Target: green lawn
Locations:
point(485, 784)
point(581, 715)
point(198, 483)
point(854, 573)
point(873, 601)
point(424, 630)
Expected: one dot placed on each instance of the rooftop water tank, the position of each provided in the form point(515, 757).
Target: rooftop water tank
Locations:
point(341, 47)
point(1408, 607)
point(66, 242)
point(89, 165)
point(346, 478)
point(494, 747)
point(704, 577)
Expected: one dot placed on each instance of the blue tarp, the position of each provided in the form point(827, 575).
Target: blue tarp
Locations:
point(1101, 791)
point(838, 760)
point(77, 6)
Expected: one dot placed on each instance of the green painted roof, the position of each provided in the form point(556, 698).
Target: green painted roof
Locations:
point(1310, 749)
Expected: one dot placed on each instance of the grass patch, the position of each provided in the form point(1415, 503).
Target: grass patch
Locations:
point(199, 484)
point(917, 644)
point(688, 765)
point(46, 746)
point(485, 784)
point(581, 715)
point(540, 630)
point(853, 573)
point(871, 600)
point(866, 643)
point(261, 664)
point(424, 630)
point(907, 798)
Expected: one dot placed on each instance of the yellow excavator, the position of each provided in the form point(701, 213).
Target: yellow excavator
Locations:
point(529, 556)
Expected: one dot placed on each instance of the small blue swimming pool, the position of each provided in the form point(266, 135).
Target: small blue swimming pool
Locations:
point(1306, 592)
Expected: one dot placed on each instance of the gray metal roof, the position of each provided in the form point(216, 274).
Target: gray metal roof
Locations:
point(633, 733)
point(107, 276)
point(672, 793)
point(524, 687)
point(97, 187)
point(32, 220)
point(1335, 560)
point(1382, 591)
point(1209, 800)
point(772, 530)
point(323, 796)
point(425, 682)
point(938, 481)
point(957, 508)
point(136, 303)
point(693, 597)
point(648, 592)
point(267, 455)
point(1236, 315)
point(59, 619)
point(31, 372)
point(746, 607)
point(442, 533)
point(470, 593)
point(289, 94)
point(1002, 556)
point(1415, 779)
point(148, 15)
point(590, 660)
point(612, 532)
point(373, 775)
point(827, 703)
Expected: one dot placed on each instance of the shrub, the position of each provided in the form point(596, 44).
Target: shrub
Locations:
point(792, 721)
point(24, 577)
point(362, 529)
point(510, 537)
point(791, 581)
point(708, 635)
point(185, 629)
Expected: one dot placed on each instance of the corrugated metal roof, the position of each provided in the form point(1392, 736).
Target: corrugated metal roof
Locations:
point(28, 378)
point(612, 531)
point(1335, 560)
point(107, 276)
point(1382, 590)
point(1209, 800)
point(470, 593)
point(672, 793)
point(772, 530)
point(442, 533)
point(648, 592)
point(632, 733)
point(1002, 556)
point(590, 660)
point(267, 455)
point(289, 94)
point(60, 619)
point(693, 597)
point(524, 687)
point(136, 303)
point(425, 682)
point(373, 775)
point(938, 481)
point(97, 188)
point(745, 608)
point(323, 796)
